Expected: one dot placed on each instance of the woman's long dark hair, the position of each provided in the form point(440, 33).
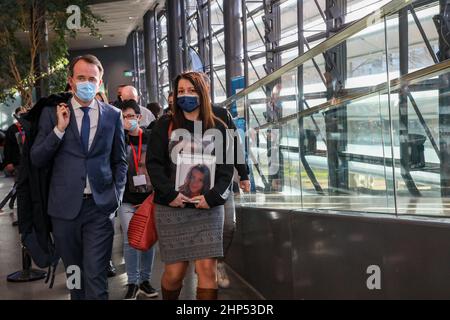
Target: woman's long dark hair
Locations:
point(206, 113)
point(203, 169)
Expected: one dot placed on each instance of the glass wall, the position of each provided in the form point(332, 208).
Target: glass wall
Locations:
point(367, 134)
point(163, 62)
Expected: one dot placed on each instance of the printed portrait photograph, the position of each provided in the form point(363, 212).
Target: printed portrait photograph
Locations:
point(195, 174)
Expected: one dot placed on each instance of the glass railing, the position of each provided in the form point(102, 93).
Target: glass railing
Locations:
point(373, 137)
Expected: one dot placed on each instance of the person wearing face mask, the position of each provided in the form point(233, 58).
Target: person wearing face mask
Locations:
point(138, 264)
point(189, 229)
point(130, 93)
point(85, 143)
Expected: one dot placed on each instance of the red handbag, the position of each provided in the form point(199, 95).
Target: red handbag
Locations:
point(142, 229)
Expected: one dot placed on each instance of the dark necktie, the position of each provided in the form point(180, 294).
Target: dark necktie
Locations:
point(85, 129)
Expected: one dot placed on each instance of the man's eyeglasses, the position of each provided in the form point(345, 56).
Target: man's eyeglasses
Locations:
point(129, 116)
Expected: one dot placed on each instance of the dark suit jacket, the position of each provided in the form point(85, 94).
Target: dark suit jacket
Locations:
point(105, 164)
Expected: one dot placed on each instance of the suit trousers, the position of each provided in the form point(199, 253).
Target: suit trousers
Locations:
point(85, 244)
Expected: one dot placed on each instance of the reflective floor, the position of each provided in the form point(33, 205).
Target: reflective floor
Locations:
point(10, 261)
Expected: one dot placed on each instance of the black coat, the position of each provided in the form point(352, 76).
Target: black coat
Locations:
point(32, 191)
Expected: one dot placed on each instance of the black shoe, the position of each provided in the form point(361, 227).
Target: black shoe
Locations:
point(132, 291)
point(146, 289)
point(15, 223)
point(111, 269)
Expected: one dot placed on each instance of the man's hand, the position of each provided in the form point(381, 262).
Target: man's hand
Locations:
point(245, 185)
point(202, 204)
point(179, 201)
point(62, 116)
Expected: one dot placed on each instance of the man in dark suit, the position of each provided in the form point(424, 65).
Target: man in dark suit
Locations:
point(84, 143)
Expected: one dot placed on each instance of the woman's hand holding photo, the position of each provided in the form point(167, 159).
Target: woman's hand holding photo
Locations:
point(179, 201)
point(201, 202)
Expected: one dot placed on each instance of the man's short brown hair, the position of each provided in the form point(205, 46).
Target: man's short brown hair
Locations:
point(89, 58)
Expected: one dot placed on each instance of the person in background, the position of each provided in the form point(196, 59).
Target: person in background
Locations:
point(130, 93)
point(14, 140)
point(15, 137)
point(169, 108)
point(101, 96)
point(155, 108)
point(2, 147)
point(138, 264)
point(119, 96)
point(189, 229)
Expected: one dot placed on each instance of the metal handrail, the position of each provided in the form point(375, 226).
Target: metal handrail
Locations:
point(395, 84)
point(357, 26)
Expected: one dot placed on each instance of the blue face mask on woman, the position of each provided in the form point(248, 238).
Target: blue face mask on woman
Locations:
point(86, 90)
point(188, 103)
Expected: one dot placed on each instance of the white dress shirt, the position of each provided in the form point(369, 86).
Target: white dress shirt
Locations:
point(93, 117)
point(147, 117)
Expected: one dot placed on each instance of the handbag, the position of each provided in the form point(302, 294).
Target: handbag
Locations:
point(142, 229)
point(142, 233)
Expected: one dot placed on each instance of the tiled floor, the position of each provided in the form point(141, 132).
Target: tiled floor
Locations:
point(10, 261)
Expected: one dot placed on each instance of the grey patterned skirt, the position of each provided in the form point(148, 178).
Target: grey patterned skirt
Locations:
point(187, 234)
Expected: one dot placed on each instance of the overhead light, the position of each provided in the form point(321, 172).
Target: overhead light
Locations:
point(105, 46)
point(130, 18)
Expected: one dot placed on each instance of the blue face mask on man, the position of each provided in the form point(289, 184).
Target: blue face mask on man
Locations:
point(86, 90)
point(188, 103)
point(133, 124)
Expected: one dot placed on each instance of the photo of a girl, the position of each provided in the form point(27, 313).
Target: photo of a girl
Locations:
point(197, 181)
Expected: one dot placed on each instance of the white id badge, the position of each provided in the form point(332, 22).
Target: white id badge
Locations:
point(139, 180)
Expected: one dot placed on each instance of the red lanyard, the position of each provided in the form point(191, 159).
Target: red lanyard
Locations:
point(137, 157)
point(22, 134)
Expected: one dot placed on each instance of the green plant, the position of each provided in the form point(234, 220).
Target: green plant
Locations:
point(21, 41)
